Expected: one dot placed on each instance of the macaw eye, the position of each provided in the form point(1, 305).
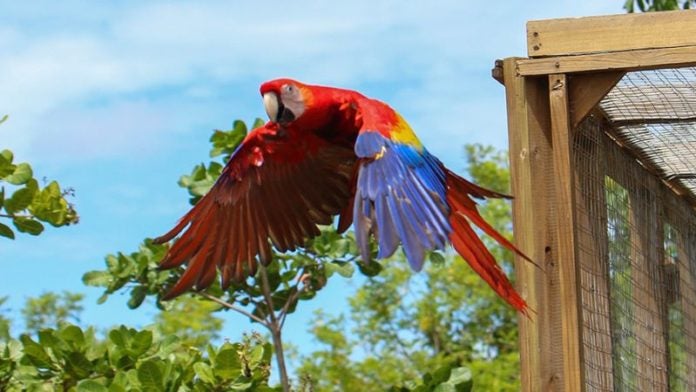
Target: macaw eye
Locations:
point(288, 88)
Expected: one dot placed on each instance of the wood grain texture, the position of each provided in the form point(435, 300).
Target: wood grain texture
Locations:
point(614, 61)
point(566, 250)
point(586, 90)
point(594, 34)
point(530, 163)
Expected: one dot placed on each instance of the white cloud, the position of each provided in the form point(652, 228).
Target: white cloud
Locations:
point(134, 127)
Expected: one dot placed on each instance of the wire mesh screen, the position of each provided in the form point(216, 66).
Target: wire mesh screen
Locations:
point(654, 112)
point(636, 236)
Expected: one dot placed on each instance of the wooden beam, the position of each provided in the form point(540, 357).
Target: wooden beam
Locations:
point(530, 162)
point(497, 72)
point(594, 34)
point(566, 251)
point(586, 90)
point(631, 60)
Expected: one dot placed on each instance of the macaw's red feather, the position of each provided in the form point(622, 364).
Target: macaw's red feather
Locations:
point(469, 245)
point(336, 153)
point(277, 187)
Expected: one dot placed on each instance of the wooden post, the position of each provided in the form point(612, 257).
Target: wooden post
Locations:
point(530, 163)
point(566, 252)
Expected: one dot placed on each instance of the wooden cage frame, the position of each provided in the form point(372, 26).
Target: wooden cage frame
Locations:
point(572, 65)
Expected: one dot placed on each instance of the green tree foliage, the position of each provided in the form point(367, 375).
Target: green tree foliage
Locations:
point(192, 320)
point(52, 310)
point(25, 203)
point(5, 322)
point(658, 5)
point(183, 332)
point(405, 325)
point(72, 359)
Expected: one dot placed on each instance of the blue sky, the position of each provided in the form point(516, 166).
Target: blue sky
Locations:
point(118, 100)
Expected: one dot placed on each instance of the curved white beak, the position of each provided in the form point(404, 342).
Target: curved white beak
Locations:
point(270, 103)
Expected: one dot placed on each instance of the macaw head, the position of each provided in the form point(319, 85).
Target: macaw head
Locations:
point(285, 100)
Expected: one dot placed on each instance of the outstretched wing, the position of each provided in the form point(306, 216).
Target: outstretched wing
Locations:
point(278, 186)
point(400, 194)
point(405, 195)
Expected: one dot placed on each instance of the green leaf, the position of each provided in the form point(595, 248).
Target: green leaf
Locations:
point(91, 386)
point(35, 353)
point(441, 375)
point(445, 387)
point(150, 376)
point(204, 372)
point(370, 268)
point(343, 268)
point(102, 299)
point(4, 118)
point(6, 166)
point(142, 341)
point(20, 200)
point(96, 278)
point(258, 122)
point(28, 225)
point(256, 356)
point(21, 175)
point(7, 155)
point(239, 126)
point(78, 365)
point(50, 206)
point(137, 297)
point(461, 377)
point(48, 339)
point(227, 364)
point(116, 336)
point(437, 258)
point(240, 386)
point(5, 231)
point(72, 334)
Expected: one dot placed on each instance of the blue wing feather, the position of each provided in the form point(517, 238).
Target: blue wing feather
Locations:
point(400, 197)
point(388, 238)
point(414, 252)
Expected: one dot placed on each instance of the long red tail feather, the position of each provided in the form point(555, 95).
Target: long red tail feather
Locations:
point(467, 243)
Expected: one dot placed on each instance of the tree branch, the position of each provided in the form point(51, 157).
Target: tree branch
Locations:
point(275, 328)
point(13, 216)
point(236, 309)
point(284, 312)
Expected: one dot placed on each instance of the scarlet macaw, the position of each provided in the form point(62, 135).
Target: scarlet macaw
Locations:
point(328, 151)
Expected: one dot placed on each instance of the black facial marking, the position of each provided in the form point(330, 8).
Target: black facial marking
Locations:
point(284, 114)
point(281, 109)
